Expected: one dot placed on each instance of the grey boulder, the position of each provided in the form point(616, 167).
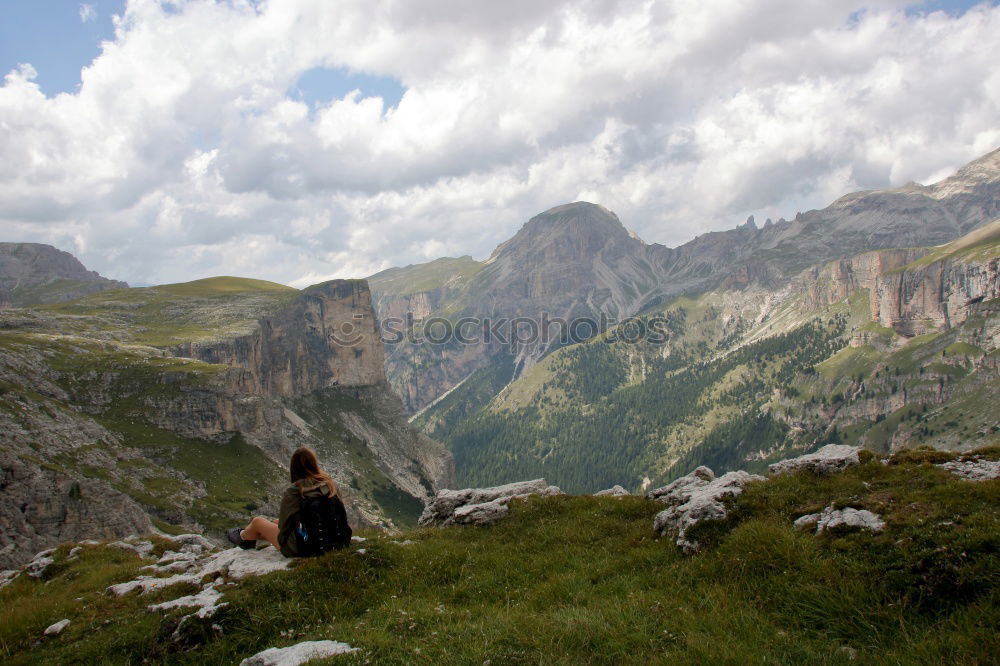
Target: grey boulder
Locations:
point(841, 519)
point(829, 459)
point(479, 506)
point(694, 499)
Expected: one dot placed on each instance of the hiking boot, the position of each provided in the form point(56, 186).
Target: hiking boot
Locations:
point(234, 537)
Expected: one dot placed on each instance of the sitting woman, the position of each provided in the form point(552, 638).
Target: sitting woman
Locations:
point(311, 520)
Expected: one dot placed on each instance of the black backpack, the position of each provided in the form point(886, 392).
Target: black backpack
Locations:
point(322, 526)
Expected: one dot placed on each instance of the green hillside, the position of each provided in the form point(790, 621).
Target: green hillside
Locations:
point(571, 580)
point(167, 315)
point(424, 277)
point(599, 413)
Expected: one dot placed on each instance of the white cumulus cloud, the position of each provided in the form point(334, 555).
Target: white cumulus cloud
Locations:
point(186, 151)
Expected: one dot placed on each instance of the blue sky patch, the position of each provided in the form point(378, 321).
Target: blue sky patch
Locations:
point(321, 85)
point(58, 38)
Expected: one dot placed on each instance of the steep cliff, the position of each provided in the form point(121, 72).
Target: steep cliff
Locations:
point(940, 290)
point(32, 273)
point(182, 404)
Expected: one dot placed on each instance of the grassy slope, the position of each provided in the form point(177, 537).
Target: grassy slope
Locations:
point(171, 314)
point(585, 580)
point(981, 244)
point(424, 277)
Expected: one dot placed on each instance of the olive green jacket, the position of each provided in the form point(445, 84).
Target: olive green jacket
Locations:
point(291, 504)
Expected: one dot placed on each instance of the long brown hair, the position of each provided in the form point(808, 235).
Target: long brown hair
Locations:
point(305, 466)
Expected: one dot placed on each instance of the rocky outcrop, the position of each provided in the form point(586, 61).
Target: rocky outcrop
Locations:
point(837, 280)
point(940, 295)
point(479, 506)
point(973, 469)
point(300, 653)
point(42, 507)
point(32, 273)
point(328, 336)
point(827, 460)
point(841, 520)
point(614, 491)
point(695, 499)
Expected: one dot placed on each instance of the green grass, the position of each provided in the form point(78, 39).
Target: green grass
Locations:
point(416, 278)
point(963, 349)
point(167, 315)
point(981, 244)
point(576, 579)
point(232, 473)
point(223, 285)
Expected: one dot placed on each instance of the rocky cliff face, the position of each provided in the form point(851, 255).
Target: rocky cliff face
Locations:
point(941, 290)
point(573, 261)
point(839, 279)
point(32, 273)
point(326, 337)
point(104, 434)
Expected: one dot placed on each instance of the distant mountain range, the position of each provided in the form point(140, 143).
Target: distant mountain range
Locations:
point(873, 321)
point(579, 260)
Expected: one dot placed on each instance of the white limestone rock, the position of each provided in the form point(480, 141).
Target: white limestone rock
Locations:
point(614, 491)
point(829, 459)
point(481, 514)
point(37, 566)
point(206, 601)
point(234, 562)
point(841, 519)
point(7, 577)
point(806, 522)
point(298, 654)
point(479, 506)
point(694, 499)
point(57, 628)
point(676, 490)
point(193, 543)
point(975, 469)
point(142, 548)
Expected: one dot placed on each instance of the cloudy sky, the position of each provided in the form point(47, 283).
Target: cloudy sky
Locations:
point(300, 140)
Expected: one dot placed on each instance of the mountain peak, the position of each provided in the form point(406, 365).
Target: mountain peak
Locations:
point(583, 225)
point(985, 169)
point(34, 273)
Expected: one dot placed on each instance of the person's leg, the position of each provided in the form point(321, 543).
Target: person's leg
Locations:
point(261, 528)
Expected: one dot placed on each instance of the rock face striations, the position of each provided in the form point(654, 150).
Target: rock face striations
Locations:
point(32, 273)
point(181, 404)
point(326, 337)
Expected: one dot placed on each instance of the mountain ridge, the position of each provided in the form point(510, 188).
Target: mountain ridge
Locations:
point(577, 275)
